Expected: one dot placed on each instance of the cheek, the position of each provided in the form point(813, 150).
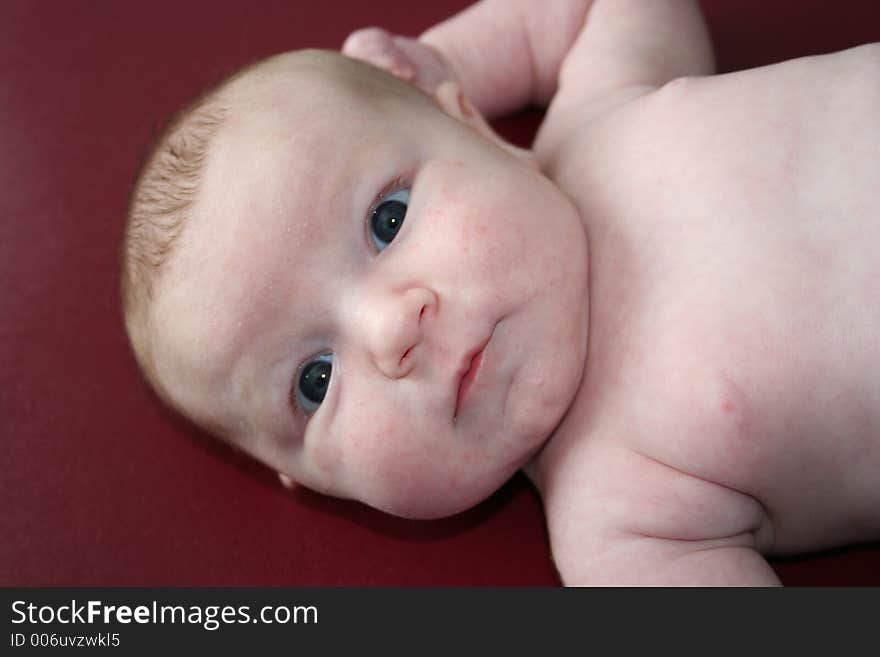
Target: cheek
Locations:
point(388, 456)
point(411, 470)
point(414, 488)
point(466, 239)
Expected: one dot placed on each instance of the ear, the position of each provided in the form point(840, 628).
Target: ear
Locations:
point(452, 100)
point(286, 481)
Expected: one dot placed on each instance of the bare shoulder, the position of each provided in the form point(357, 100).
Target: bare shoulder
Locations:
point(813, 83)
point(797, 89)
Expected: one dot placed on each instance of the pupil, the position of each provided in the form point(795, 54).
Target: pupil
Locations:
point(314, 380)
point(387, 219)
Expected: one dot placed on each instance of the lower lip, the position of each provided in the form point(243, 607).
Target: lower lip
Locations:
point(469, 378)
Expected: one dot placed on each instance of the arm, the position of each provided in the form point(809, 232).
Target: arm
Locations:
point(629, 43)
point(651, 561)
point(617, 517)
point(509, 53)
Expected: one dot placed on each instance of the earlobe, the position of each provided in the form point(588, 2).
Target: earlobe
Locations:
point(452, 100)
point(286, 481)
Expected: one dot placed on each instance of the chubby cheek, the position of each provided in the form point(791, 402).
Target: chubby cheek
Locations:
point(511, 229)
point(411, 472)
point(391, 475)
point(466, 244)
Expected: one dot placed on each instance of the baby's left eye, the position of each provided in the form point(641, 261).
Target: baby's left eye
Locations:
point(312, 382)
point(387, 218)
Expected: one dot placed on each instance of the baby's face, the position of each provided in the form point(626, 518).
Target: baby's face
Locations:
point(345, 263)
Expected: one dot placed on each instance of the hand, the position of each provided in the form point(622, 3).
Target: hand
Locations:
point(408, 59)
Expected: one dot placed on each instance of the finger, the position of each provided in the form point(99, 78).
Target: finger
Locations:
point(377, 47)
point(365, 40)
point(396, 66)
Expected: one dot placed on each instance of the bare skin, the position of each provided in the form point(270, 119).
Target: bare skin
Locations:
point(730, 406)
point(733, 370)
point(673, 330)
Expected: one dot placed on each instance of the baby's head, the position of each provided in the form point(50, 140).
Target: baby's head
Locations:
point(315, 253)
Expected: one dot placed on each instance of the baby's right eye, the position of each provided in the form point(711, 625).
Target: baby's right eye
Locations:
point(312, 382)
point(387, 219)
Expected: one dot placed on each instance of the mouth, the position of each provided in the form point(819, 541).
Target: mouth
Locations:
point(469, 375)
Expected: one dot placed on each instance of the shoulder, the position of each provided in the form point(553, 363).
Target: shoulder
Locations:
point(654, 452)
point(569, 119)
point(685, 103)
point(579, 132)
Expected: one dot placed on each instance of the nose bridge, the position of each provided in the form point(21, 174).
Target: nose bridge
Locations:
point(391, 321)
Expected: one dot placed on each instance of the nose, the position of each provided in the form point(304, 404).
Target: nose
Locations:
point(394, 324)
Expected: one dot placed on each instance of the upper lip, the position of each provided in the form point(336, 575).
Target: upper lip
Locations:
point(466, 367)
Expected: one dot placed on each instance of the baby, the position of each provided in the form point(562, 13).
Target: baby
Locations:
point(667, 312)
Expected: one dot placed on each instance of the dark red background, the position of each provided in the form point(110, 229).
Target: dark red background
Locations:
point(101, 486)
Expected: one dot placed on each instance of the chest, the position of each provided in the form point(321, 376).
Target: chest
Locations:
point(735, 306)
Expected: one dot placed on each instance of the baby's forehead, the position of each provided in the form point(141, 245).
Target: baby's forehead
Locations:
point(291, 137)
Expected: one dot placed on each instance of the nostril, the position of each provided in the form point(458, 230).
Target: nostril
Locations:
point(422, 313)
point(405, 354)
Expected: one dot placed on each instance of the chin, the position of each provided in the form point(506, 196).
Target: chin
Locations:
point(536, 415)
point(440, 501)
point(430, 509)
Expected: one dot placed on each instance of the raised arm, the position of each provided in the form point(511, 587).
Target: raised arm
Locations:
point(627, 43)
point(507, 53)
point(510, 53)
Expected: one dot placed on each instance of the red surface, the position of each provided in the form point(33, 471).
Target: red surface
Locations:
point(101, 486)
